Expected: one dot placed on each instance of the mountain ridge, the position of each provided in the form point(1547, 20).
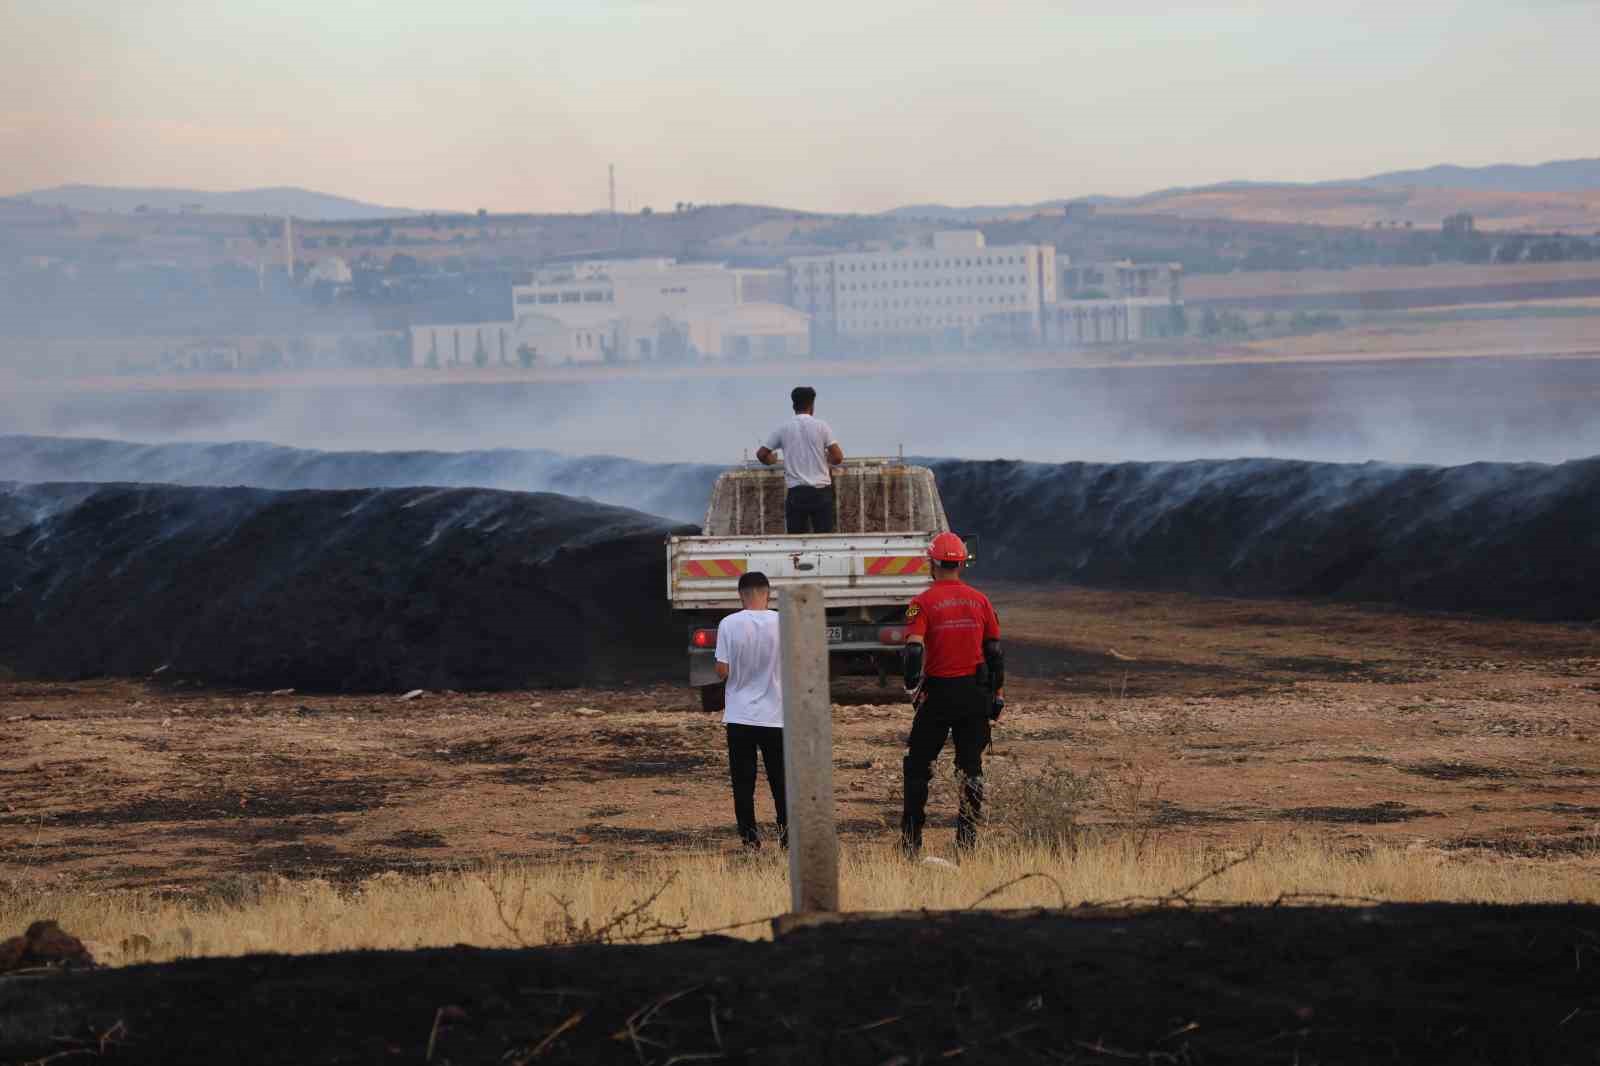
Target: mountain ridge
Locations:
point(1561, 175)
point(268, 200)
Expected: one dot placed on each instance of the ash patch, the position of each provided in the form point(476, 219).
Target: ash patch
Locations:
point(1383, 813)
point(636, 753)
point(497, 751)
point(1581, 845)
point(413, 838)
point(310, 798)
point(1440, 770)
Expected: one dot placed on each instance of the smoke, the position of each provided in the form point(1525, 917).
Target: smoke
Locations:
point(1443, 412)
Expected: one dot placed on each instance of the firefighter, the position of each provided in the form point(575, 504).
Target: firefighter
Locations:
point(955, 673)
point(809, 454)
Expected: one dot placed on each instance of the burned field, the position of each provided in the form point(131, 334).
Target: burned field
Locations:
point(1221, 720)
point(261, 731)
point(1229, 721)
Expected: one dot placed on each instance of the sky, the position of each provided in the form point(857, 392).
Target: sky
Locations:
point(520, 105)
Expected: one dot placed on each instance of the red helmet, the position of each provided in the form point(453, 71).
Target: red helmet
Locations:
point(948, 548)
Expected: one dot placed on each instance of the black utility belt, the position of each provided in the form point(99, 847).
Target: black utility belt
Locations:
point(964, 679)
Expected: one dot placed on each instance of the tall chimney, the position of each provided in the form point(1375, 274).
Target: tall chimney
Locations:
point(288, 247)
point(611, 172)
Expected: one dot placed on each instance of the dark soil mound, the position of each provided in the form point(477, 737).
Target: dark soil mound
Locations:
point(677, 490)
point(373, 589)
point(1413, 984)
point(1515, 538)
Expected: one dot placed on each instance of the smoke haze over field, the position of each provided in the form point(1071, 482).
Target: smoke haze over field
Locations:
point(1442, 412)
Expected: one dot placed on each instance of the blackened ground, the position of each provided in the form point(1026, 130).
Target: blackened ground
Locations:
point(1512, 538)
point(1430, 983)
point(371, 589)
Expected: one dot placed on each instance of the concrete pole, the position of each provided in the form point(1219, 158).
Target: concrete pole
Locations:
point(808, 751)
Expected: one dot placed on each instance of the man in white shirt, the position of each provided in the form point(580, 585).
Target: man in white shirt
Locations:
point(747, 658)
point(809, 450)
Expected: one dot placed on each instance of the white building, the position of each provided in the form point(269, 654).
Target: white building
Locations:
point(955, 290)
point(646, 309)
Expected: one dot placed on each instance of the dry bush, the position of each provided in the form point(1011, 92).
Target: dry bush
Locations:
point(687, 894)
point(1035, 809)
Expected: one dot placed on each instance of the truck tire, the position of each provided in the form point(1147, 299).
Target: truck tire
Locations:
point(713, 697)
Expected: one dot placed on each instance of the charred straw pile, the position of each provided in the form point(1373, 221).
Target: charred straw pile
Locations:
point(372, 589)
point(1515, 538)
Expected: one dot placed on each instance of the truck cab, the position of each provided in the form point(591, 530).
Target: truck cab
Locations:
point(886, 512)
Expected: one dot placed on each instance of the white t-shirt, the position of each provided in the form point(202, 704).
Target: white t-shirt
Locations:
point(804, 441)
point(748, 643)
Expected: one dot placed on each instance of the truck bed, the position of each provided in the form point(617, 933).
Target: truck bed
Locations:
point(854, 569)
point(886, 513)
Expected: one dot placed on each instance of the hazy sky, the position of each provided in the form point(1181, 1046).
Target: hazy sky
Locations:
point(520, 104)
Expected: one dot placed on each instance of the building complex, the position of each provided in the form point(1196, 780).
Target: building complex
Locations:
point(953, 292)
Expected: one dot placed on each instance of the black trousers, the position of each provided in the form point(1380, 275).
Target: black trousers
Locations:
point(955, 707)
point(807, 509)
point(743, 743)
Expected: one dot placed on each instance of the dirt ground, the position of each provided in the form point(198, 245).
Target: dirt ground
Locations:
point(1222, 720)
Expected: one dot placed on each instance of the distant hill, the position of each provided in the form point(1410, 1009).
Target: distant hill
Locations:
point(1565, 175)
point(301, 203)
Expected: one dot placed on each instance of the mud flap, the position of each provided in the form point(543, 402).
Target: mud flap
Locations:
point(703, 668)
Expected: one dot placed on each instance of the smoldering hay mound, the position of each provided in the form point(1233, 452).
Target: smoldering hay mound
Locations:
point(676, 490)
point(359, 589)
point(1520, 539)
point(400, 588)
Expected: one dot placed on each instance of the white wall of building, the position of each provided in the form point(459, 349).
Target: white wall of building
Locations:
point(957, 285)
point(648, 309)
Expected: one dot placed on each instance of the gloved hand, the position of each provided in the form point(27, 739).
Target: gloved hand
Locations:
point(997, 706)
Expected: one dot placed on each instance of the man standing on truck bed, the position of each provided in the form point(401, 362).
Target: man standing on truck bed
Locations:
point(747, 659)
point(809, 450)
point(956, 673)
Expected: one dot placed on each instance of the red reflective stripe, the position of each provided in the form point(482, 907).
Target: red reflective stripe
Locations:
point(894, 565)
point(711, 568)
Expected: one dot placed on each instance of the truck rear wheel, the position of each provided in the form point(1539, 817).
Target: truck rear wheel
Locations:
point(713, 697)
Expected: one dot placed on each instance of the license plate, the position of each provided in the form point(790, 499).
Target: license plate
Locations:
point(835, 634)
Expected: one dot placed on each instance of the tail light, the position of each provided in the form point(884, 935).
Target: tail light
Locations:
point(892, 635)
point(704, 638)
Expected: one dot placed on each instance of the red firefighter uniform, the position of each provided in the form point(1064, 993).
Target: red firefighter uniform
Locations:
point(955, 701)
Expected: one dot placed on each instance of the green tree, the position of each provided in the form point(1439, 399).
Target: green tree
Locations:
point(480, 354)
point(526, 355)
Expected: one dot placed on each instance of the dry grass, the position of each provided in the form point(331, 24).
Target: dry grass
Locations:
point(701, 892)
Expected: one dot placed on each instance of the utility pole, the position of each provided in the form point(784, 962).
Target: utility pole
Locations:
point(808, 751)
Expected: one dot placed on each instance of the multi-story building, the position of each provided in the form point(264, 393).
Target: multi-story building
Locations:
point(1115, 301)
point(954, 291)
point(1120, 279)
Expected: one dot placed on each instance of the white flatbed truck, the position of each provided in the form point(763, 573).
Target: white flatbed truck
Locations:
point(886, 514)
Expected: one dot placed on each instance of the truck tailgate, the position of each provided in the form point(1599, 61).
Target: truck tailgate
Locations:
point(854, 569)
